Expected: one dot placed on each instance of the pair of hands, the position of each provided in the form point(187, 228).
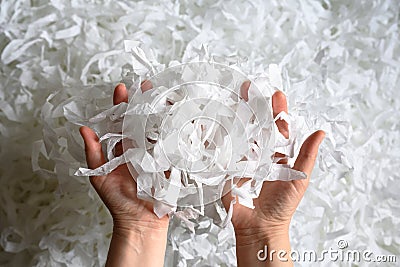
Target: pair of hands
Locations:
point(135, 224)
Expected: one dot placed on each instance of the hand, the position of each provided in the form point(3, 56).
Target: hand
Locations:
point(135, 224)
point(269, 220)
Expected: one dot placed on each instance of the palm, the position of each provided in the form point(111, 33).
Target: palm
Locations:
point(278, 200)
point(275, 205)
point(118, 189)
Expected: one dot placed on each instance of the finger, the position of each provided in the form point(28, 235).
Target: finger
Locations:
point(146, 85)
point(308, 153)
point(94, 153)
point(244, 90)
point(279, 104)
point(120, 94)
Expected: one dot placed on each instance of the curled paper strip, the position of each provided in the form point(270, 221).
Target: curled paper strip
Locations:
point(343, 76)
point(192, 137)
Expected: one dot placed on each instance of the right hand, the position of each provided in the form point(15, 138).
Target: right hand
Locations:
point(278, 200)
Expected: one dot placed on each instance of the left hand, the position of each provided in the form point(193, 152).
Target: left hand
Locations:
point(118, 189)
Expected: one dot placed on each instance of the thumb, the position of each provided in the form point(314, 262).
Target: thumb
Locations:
point(308, 153)
point(93, 150)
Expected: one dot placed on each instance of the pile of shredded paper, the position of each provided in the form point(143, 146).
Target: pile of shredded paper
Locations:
point(339, 64)
point(195, 125)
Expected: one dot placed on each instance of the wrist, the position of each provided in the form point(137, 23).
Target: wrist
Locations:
point(271, 233)
point(139, 235)
point(263, 247)
point(140, 226)
point(137, 245)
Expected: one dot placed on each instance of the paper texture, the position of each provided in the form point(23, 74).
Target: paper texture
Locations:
point(195, 124)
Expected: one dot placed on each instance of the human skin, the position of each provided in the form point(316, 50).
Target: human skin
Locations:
point(139, 236)
point(268, 223)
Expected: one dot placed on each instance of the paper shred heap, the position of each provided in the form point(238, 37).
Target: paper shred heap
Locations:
point(341, 71)
point(195, 125)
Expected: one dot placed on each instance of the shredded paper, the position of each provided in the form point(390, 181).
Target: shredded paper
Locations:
point(338, 63)
point(195, 125)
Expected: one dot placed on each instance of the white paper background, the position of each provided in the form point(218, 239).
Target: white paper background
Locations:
point(343, 62)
